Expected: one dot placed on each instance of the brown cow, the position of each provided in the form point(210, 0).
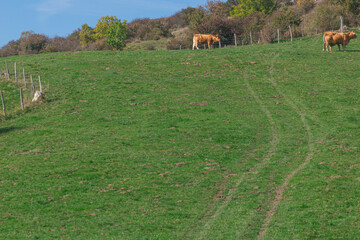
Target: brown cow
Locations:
point(204, 38)
point(331, 39)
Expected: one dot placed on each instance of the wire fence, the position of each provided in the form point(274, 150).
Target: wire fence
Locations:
point(261, 37)
point(270, 36)
point(26, 84)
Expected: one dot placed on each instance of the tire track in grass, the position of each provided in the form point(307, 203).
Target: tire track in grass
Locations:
point(279, 191)
point(209, 218)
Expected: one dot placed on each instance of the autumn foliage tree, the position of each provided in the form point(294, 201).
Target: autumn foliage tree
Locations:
point(102, 26)
point(86, 35)
point(31, 43)
point(247, 7)
point(116, 35)
point(109, 30)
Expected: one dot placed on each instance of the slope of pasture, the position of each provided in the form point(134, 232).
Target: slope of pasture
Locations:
point(235, 143)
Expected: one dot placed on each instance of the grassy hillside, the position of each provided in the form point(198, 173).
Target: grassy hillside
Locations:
point(237, 143)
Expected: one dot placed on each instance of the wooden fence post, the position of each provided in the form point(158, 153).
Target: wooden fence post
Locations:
point(302, 30)
point(3, 103)
point(278, 33)
point(235, 39)
point(251, 39)
point(32, 84)
point(7, 69)
point(21, 99)
point(24, 77)
point(291, 35)
point(242, 42)
point(341, 24)
point(40, 84)
point(15, 72)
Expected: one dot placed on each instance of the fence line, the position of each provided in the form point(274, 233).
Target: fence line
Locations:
point(277, 35)
point(7, 75)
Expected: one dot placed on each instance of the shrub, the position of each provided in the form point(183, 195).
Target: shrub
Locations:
point(98, 45)
point(181, 37)
point(218, 26)
point(50, 48)
point(146, 29)
point(306, 5)
point(150, 47)
point(325, 16)
point(253, 23)
point(116, 35)
point(32, 43)
point(10, 49)
point(284, 18)
point(69, 43)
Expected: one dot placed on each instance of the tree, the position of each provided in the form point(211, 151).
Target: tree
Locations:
point(285, 17)
point(352, 6)
point(116, 35)
point(31, 42)
point(194, 16)
point(10, 49)
point(247, 7)
point(325, 16)
point(217, 8)
point(86, 35)
point(26, 34)
point(103, 25)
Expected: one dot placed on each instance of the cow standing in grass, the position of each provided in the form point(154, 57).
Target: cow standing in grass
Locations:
point(204, 38)
point(331, 39)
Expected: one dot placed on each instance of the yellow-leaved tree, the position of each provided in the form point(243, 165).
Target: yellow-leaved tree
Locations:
point(103, 26)
point(109, 30)
point(86, 35)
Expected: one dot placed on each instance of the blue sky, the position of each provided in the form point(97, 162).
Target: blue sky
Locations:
point(62, 17)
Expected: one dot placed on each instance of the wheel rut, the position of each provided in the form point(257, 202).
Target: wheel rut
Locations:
point(280, 190)
point(202, 228)
point(210, 217)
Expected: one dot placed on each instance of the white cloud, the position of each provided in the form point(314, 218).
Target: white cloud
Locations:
point(51, 7)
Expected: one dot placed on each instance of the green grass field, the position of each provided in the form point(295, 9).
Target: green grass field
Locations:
point(251, 142)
